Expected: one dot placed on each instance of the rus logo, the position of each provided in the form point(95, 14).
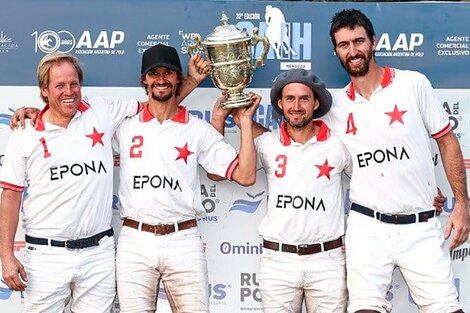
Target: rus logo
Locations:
point(249, 287)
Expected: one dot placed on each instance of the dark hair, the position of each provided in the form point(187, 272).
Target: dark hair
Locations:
point(350, 18)
point(179, 85)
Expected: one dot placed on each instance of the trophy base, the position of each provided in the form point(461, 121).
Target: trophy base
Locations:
point(236, 100)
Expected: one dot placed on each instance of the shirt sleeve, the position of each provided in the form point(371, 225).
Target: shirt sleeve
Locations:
point(13, 173)
point(216, 156)
point(116, 141)
point(348, 166)
point(118, 108)
point(433, 114)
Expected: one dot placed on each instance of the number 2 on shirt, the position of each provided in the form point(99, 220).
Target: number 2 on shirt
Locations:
point(136, 149)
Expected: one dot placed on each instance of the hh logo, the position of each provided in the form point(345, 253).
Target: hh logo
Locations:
point(278, 32)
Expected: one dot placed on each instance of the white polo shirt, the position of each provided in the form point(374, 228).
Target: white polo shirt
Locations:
point(68, 172)
point(388, 137)
point(159, 172)
point(305, 202)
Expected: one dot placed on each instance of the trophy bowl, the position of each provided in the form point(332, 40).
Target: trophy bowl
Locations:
point(228, 51)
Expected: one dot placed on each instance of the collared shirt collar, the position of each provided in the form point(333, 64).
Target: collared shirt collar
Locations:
point(39, 124)
point(389, 75)
point(322, 134)
point(182, 116)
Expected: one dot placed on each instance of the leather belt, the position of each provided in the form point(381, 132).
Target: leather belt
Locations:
point(73, 243)
point(303, 249)
point(160, 229)
point(394, 218)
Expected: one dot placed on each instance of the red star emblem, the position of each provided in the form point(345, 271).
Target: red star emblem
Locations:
point(396, 115)
point(325, 169)
point(96, 137)
point(184, 153)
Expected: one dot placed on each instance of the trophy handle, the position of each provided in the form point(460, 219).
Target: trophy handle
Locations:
point(195, 45)
point(256, 38)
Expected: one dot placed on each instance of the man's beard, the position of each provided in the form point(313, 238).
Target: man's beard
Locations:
point(162, 97)
point(299, 124)
point(358, 71)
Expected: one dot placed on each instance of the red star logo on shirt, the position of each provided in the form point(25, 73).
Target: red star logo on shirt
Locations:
point(184, 153)
point(396, 115)
point(325, 169)
point(96, 137)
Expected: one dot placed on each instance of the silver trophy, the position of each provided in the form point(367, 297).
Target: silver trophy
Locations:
point(228, 50)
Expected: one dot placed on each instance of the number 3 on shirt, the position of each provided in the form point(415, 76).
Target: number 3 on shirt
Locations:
point(136, 149)
point(350, 127)
point(281, 166)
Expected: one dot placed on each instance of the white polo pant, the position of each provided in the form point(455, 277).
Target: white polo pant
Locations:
point(57, 275)
point(286, 279)
point(177, 259)
point(374, 249)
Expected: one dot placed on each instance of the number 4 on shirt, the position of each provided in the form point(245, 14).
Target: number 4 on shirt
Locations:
point(350, 126)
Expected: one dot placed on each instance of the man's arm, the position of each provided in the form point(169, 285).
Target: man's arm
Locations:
point(11, 266)
point(452, 159)
point(198, 68)
point(219, 115)
point(245, 172)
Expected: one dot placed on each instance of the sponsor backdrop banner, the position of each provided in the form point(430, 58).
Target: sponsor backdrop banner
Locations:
point(110, 36)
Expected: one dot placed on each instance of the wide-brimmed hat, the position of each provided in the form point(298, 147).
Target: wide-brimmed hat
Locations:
point(160, 55)
point(303, 77)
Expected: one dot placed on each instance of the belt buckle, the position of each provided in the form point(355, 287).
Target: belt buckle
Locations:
point(164, 229)
point(155, 227)
point(67, 243)
point(378, 216)
point(423, 218)
point(395, 218)
point(301, 249)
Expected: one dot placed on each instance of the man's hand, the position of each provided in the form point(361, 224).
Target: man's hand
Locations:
point(247, 111)
point(198, 68)
point(439, 201)
point(250, 111)
point(459, 222)
point(18, 118)
point(14, 274)
point(219, 114)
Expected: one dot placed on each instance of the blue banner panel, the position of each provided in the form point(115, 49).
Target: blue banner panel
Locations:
point(110, 36)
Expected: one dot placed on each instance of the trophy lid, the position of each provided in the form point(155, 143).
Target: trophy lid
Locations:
point(226, 33)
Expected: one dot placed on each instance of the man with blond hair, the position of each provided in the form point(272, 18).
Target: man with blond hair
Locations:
point(65, 161)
